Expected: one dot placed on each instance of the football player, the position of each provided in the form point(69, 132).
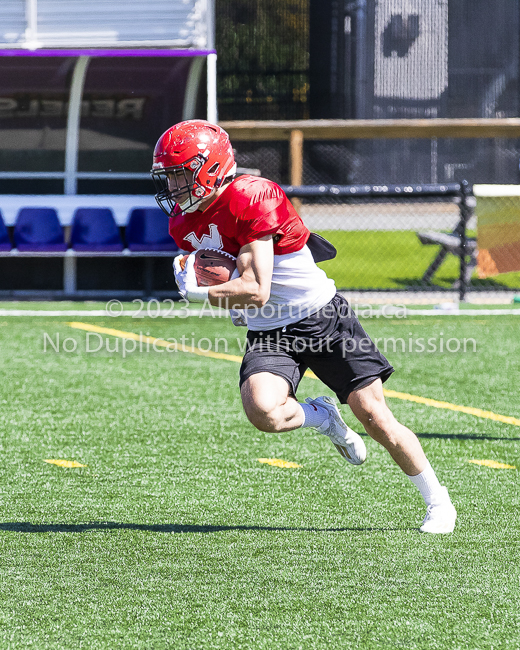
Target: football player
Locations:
point(295, 318)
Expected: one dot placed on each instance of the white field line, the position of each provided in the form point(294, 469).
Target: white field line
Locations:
point(65, 312)
point(364, 312)
point(464, 312)
point(167, 313)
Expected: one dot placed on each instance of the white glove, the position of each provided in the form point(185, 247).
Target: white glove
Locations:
point(187, 281)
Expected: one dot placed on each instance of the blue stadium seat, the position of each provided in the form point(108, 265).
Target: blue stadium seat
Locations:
point(5, 242)
point(147, 230)
point(38, 229)
point(94, 229)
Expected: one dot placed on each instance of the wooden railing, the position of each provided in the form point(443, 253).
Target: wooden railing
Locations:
point(296, 131)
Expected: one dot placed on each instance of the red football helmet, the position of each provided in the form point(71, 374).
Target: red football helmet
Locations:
point(195, 157)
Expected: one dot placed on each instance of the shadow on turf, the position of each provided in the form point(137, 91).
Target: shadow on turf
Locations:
point(456, 436)
point(448, 282)
point(26, 527)
point(463, 436)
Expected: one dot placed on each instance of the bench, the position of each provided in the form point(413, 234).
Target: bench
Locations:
point(84, 226)
point(449, 244)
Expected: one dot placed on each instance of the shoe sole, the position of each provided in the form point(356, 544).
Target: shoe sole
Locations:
point(344, 452)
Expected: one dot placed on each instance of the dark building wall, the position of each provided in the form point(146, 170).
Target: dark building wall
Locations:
point(373, 59)
point(483, 59)
point(400, 58)
point(329, 67)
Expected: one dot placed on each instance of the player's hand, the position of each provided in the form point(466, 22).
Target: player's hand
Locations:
point(186, 280)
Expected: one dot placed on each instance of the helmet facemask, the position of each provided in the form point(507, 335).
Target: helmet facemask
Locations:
point(178, 185)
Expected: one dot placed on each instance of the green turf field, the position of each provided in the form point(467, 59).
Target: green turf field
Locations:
point(394, 260)
point(175, 536)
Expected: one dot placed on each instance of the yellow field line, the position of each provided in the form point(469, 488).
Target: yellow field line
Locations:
point(492, 463)
point(479, 413)
point(278, 462)
point(63, 463)
point(162, 343)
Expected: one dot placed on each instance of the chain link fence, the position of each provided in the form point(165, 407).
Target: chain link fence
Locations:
point(395, 243)
point(418, 239)
point(498, 236)
point(379, 161)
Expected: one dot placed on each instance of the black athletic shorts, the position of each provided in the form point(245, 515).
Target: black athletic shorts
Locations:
point(331, 343)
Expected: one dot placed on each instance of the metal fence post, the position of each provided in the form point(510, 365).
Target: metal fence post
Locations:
point(465, 214)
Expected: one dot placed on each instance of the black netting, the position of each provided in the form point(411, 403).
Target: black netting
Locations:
point(389, 161)
point(390, 59)
point(407, 243)
point(263, 59)
point(384, 59)
point(271, 159)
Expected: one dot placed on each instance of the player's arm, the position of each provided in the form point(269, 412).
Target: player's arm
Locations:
point(253, 286)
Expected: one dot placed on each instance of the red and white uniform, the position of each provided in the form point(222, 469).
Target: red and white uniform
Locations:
point(250, 208)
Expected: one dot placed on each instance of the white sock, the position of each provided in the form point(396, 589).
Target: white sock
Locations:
point(313, 416)
point(428, 484)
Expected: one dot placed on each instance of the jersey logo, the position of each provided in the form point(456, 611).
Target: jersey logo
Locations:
point(213, 240)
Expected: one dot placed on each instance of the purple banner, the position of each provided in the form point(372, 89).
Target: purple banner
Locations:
point(98, 52)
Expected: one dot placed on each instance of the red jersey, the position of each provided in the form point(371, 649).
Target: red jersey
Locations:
point(248, 209)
